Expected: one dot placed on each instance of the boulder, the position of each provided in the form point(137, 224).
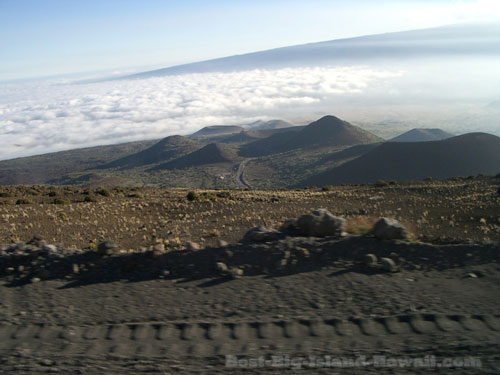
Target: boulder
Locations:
point(320, 223)
point(260, 234)
point(370, 259)
point(390, 229)
point(388, 265)
point(107, 248)
point(192, 246)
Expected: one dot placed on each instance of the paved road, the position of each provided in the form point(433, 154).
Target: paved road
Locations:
point(239, 178)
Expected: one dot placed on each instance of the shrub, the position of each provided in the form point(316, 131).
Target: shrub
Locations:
point(5, 194)
point(192, 196)
point(327, 188)
point(89, 198)
point(381, 183)
point(24, 201)
point(360, 225)
point(135, 195)
point(33, 192)
point(61, 201)
point(52, 194)
point(103, 192)
point(223, 194)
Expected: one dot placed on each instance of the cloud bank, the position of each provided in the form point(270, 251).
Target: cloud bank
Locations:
point(453, 94)
point(42, 117)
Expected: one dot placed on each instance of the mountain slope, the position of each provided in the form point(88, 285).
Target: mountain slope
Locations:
point(465, 155)
point(166, 149)
point(422, 135)
point(329, 131)
point(454, 40)
point(217, 130)
point(212, 153)
point(40, 169)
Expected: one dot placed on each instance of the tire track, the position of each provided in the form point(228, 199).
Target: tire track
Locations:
point(202, 339)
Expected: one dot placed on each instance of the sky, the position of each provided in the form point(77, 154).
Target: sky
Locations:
point(455, 87)
point(52, 37)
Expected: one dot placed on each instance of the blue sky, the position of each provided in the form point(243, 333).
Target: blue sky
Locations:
point(50, 37)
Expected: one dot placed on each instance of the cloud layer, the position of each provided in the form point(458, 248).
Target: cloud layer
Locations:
point(41, 117)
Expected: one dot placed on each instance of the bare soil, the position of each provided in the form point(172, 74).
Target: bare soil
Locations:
point(123, 314)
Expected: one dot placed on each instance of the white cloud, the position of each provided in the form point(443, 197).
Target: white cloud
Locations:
point(45, 117)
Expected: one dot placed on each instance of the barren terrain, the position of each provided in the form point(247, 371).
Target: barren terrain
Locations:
point(157, 304)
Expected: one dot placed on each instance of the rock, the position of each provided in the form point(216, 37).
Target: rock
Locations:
point(236, 273)
point(107, 248)
point(390, 229)
point(320, 223)
point(192, 246)
point(388, 265)
point(49, 248)
point(471, 276)
point(221, 267)
point(222, 243)
point(289, 226)
point(35, 280)
point(370, 259)
point(75, 268)
point(260, 234)
point(159, 247)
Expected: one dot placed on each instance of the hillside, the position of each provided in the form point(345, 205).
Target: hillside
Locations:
point(212, 153)
point(272, 124)
point(166, 149)
point(329, 131)
point(216, 130)
point(469, 154)
point(40, 169)
point(422, 135)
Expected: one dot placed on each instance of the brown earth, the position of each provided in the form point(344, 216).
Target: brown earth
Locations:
point(436, 211)
point(122, 314)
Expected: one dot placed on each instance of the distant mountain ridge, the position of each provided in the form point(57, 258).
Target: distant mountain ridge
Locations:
point(327, 131)
point(164, 150)
point(452, 40)
point(328, 151)
point(422, 135)
point(469, 154)
point(213, 153)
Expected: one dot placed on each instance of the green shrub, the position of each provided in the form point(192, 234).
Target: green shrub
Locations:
point(61, 201)
point(24, 201)
point(33, 192)
point(89, 198)
point(103, 192)
point(381, 183)
point(223, 194)
point(5, 194)
point(135, 195)
point(192, 196)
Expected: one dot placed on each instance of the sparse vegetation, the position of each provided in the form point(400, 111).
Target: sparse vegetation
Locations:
point(381, 183)
point(360, 225)
point(61, 201)
point(24, 201)
point(103, 192)
point(135, 195)
point(192, 196)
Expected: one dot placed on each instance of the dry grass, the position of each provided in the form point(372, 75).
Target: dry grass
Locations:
point(360, 225)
